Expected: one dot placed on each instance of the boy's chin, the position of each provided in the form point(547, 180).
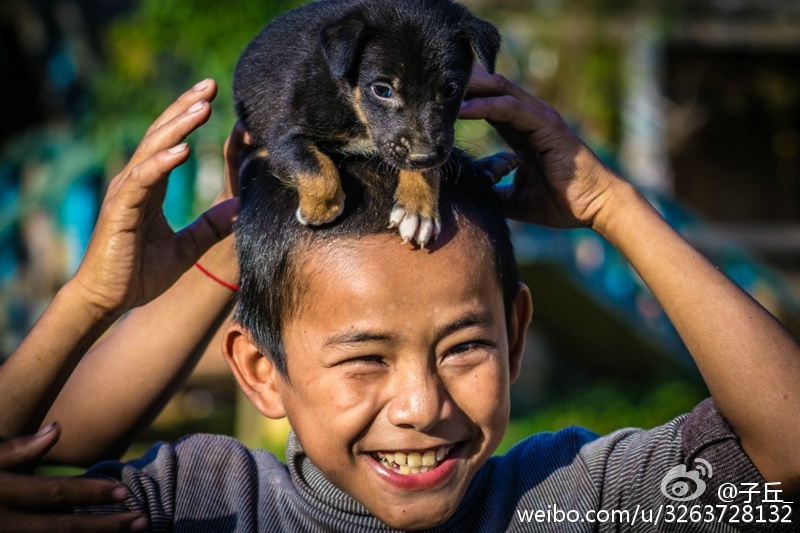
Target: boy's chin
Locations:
point(420, 515)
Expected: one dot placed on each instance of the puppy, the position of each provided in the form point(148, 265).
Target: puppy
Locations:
point(371, 78)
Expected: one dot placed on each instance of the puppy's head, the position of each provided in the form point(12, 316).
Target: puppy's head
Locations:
point(406, 65)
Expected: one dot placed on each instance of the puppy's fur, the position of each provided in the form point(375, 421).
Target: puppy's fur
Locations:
point(374, 78)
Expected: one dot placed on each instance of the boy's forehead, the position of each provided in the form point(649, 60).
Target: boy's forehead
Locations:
point(388, 257)
point(381, 267)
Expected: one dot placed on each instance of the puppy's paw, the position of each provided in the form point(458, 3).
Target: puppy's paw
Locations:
point(412, 226)
point(498, 165)
point(317, 212)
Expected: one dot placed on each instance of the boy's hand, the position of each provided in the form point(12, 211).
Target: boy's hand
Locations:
point(235, 146)
point(560, 183)
point(38, 503)
point(134, 255)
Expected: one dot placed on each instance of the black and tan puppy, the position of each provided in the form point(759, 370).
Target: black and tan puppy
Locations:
point(374, 78)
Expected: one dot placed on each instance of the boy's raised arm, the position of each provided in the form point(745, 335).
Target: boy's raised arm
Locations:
point(749, 361)
point(122, 384)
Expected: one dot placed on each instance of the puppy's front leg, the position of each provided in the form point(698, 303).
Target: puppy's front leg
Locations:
point(317, 179)
point(416, 207)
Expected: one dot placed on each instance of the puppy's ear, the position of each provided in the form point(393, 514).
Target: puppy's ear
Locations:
point(340, 44)
point(485, 40)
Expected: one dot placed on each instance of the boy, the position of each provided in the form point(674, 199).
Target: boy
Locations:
point(387, 359)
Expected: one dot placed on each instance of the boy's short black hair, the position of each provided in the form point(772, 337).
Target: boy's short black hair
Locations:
point(270, 242)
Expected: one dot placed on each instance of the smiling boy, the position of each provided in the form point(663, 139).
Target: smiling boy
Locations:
point(392, 364)
point(388, 359)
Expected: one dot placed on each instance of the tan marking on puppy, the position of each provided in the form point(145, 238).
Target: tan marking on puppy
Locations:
point(321, 195)
point(418, 192)
point(356, 142)
point(359, 110)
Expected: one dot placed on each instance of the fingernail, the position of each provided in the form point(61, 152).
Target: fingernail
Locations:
point(200, 85)
point(140, 524)
point(45, 430)
point(120, 494)
point(178, 149)
point(197, 107)
point(464, 104)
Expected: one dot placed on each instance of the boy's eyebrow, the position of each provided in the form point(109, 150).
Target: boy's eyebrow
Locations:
point(469, 319)
point(357, 336)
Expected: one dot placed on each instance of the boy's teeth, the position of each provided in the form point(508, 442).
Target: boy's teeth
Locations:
point(414, 462)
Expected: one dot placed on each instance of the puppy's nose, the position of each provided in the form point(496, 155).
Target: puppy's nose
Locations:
point(423, 160)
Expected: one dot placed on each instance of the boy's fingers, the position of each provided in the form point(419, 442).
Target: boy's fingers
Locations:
point(502, 109)
point(481, 83)
point(21, 451)
point(234, 144)
point(21, 491)
point(208, 229)
point(172, 133)
point(46, 523)
point(203, 90)
point(499, 165)
point(135, 189)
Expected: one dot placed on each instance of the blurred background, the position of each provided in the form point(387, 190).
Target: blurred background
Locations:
point(695, 101)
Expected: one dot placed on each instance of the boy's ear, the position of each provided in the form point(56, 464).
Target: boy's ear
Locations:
point(521, 313)
point(255, 372)
point(340, 44)
point(485, 40)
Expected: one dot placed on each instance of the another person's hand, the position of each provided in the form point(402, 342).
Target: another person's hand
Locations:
point(560, 182)
point(134, 255)
point(39, 503)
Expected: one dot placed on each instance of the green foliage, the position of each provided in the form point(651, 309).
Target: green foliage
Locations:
point(606, 408)
point(161, 50)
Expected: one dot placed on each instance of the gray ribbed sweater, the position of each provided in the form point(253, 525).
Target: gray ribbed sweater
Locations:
point(209, 483)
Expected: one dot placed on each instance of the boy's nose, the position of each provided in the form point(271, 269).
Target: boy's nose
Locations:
point(418, 402)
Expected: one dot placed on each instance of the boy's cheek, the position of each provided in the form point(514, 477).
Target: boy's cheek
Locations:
point(484, 393)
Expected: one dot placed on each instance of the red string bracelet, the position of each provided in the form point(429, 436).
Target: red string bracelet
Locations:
point(222, 282)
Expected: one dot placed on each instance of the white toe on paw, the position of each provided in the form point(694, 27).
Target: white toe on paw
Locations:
point(408, 227)
point(414, 227)
point(397, 216)
point(424, 232)
point(299, 217)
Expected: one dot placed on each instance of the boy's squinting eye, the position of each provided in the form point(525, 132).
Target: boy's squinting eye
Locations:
point(470, 347)
point(366, 359)
point(382, 90)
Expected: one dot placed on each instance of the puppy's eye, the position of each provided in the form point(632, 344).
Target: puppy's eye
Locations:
point(382, 90)
point(451, 90)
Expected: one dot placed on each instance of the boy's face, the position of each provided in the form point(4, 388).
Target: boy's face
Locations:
point(397, 357)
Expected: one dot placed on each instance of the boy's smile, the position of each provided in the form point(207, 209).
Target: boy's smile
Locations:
point(398, 370)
